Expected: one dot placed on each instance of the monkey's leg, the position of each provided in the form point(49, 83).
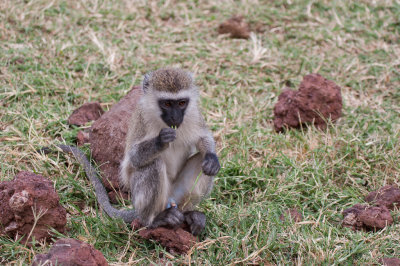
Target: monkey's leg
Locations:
point(149, 190)
point(190, 187)
point(149, 187)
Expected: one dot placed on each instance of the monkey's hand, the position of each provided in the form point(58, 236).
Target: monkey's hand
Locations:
point(171, 217)
point(166, 136)
point(196, 221)
point(211, 164)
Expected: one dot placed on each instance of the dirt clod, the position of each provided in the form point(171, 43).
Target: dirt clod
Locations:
point(388, 196)
point(236, 26)
point(366, 218)
point(174, 240)
point(24, 197)
point(316, 101)
point(293, 214)
point(68, 251)
point(107, 137)
point(390, 262)
point(87, 112)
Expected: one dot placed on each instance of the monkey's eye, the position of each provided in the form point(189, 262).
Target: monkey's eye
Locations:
point(167, 104)
point(182, 103)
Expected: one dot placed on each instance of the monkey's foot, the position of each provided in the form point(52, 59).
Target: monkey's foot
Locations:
point(196, 221)
point(171, 217)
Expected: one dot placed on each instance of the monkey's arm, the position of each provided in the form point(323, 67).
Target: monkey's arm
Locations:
point(206, 146)
point(145, 152)
point(101, 194)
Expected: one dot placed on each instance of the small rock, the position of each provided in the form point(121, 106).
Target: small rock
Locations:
point(316, 101)
point(175, 240)
point(363, 217)
point(19, 196)
point(107, 137)
point(376, 217)
point(388, 196)
point(390, 261)
point(87, 112)
point(68, 251)
point(293, 215)
point(236, 26)
point(82, 137)
point(350, 217)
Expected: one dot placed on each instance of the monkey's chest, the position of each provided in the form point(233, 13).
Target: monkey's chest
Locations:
point(175, 158)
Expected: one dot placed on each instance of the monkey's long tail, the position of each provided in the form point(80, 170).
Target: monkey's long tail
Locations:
point(101, 194)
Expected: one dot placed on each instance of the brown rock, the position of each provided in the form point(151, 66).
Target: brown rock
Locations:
point(107, 137)
point(363, 217)
point(351, 217)
point(87, 112)
point(82, 137)
point(316, 101)
point(390, 261)
point(376, 217)
point(71, 252)
point(388, 196)
point(236, 26)
point(293, 215)
point(18, 197)
point(174, 240)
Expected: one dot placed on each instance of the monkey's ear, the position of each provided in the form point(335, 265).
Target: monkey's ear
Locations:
point(146, 81)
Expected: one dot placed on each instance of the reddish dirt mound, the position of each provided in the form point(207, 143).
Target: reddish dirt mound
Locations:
point(388, 196)
point(174, 240)
point(293, 215)
point(107, 137)
point(316, 101)
point(363, 217)
point(390, 261)
point(236, 26)
point(17, 199)
point(68, 251)
point(87, 112)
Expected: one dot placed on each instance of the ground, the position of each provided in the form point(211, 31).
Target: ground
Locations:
point(56, 55)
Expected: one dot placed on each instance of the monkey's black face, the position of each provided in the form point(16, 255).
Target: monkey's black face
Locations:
point(173, 111)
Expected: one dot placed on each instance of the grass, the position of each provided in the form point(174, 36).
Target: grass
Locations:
point(56, 55)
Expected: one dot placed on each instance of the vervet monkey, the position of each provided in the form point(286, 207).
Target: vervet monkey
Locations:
point(170, 160)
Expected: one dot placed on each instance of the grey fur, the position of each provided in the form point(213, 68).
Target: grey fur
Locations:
point(151, 149)
point(160, 163)
point(196, 221)
point(171, 217)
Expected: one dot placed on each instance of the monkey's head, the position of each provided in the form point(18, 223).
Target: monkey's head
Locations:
point(169, 94)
